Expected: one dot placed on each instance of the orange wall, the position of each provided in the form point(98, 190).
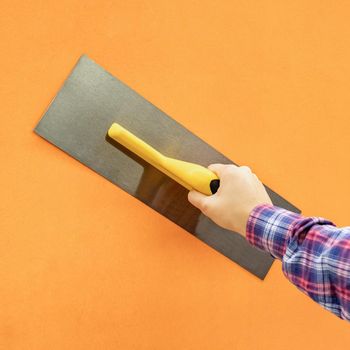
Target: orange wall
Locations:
point(84, 265)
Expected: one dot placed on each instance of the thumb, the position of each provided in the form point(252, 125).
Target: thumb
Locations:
point(199, 200)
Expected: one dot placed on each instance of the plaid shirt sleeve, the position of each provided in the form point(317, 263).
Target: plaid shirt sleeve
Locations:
point(315, 254)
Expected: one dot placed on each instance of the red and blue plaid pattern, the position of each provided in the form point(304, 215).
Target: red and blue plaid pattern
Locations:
point(315, 254)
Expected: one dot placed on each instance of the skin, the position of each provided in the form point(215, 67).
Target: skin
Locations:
point(239, 192)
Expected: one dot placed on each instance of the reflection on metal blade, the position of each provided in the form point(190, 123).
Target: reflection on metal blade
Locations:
point(77, 121)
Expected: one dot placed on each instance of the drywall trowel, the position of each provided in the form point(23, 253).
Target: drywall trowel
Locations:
point(86, 108)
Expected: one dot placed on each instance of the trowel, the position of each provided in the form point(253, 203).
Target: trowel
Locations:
point(110, 128)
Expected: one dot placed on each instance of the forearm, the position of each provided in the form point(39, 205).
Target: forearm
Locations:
point(315, 254)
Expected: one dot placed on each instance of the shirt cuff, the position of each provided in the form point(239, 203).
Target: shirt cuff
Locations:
point(270, 228)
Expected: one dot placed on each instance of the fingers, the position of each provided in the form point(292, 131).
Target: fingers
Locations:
point(199, 200)
point(223, 169)
point(219, 168)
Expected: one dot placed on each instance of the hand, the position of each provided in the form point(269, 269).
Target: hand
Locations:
point(239, 192)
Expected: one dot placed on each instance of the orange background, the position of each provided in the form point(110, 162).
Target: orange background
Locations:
point(84, 265)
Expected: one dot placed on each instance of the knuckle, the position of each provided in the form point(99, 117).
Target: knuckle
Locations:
point(246, 168)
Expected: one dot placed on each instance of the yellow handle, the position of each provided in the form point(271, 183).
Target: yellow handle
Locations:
point(189, 175)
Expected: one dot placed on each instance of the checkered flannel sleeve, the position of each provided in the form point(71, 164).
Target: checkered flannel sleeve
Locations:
point(315, 254)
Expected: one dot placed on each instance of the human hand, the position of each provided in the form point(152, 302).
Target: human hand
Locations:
point(239, 192)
